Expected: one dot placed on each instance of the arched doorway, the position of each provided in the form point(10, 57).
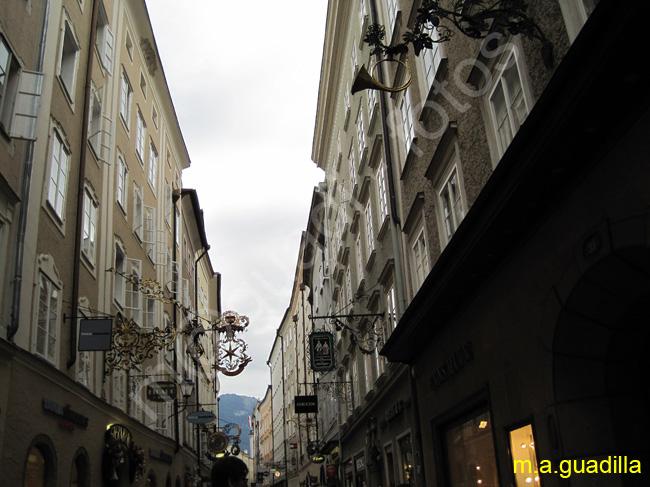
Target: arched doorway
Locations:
point(600, 365)
point(40, 463)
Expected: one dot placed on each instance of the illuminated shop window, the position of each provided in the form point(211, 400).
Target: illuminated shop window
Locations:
point(524, 459)
point(406, 459)
point(470, 453)
point(35, 468)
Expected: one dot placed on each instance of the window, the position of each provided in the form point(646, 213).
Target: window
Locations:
point(361, 135)
point(431, 59)
point(119, 285)
point(382, 192)
point(133, 294)
point(508, 103)
point(47, 319)
point(524, 459)
point(451, 205)
point(576, 13)
point(169, 204)
point(370, 235)
point(470, 452)
point(143, 85)
point(129, 45)
point(420, 258)
point(57, 184)
point(126, 96)
point(153, 166)
point(104, 41)
point(100, 128)
point(35, 468)
point(392, 17)
point(140, 134)
point(119, 389)
point(150, 312)
point(68, 61)
point(359, 257)
point(20, 93)
point(121, 185)
point(391, 310)
point(89, 241)
point(353, 170)
point(406, 459)
point(407, 120)
point(138, 211)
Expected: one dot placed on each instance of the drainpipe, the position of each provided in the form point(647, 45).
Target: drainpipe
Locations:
point(399, 275)
point(83, 151)
point(196, 364)
point(176, 194)
point(25, 189)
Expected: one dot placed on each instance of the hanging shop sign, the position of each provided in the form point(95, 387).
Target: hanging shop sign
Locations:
point(200, 417)
point(306, 404)
point(318, 458)
point(95, 334)
point(321, 348)
point(162, 391)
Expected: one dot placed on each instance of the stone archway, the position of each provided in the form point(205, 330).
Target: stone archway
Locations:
point(601, 347)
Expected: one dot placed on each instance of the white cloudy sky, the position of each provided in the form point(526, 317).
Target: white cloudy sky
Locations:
point(244, 80)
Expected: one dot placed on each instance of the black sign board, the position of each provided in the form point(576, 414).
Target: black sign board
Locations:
point(306, 404)
point(95, 334)
point(321, 347)
point(161, 391)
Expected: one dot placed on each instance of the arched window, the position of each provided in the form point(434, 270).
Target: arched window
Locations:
point(35, 468)
point(79, 473)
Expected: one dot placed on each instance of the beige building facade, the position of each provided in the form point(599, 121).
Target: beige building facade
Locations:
point(95, 224)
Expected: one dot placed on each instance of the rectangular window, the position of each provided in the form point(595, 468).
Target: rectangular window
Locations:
point(420, 259)
point(133, 294)
point(451, 203)
point(119, 285)
point(138, 212)
point(169, 204)
point(68, 61)
point(153, 166)
point(89, 241)
point(58, 181)
point(361, 134)
point(524, 459)
point(150, 308)
point(140, 135)
point(353, 170)
point(20, 93)
point(406, 459)
point(100, 128)
point(508, 103)
point(126, 95)
point(370, 235)
point(392, 18)
point(470, 452)
point(122, 181)
point(407, 121)
point(104, 40)
point(359, 257)
point(47, 321)
point(382, 192)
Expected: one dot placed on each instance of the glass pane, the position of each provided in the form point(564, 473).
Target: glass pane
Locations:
point(35, 469)
point(524, 459)
point(471, 455)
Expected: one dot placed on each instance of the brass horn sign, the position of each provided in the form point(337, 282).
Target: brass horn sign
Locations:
point(366, 81)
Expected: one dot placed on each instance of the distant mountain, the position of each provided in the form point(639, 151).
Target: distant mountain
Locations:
point(236, 409)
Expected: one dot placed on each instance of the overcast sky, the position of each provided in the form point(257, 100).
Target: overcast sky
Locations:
point(244, 81)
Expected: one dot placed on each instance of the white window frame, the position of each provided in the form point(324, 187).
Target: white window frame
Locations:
point(361, 134)
point(575, 14)
point(133, 296)
point(119, 284)
point(420, 257)
point(451, 203)
point(126, 98)
point(140, 136)
point(121, 185)
point(406, 114)
point(46, 328)
point(89, 232)
point(382, 192)
point(58, 180)
point(353, 169)
point(100, 128)
point(152, 174)
point(512, 121)
point(370, 233)
point(104, 40)
point(20, 93)
point(68, 57)
point(138, 211)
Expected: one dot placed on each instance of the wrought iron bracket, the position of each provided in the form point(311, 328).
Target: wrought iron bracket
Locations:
point(367, 338)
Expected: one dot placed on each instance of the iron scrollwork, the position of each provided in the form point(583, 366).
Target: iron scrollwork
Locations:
point(364, 335)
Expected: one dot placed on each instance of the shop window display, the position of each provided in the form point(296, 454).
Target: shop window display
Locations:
point(470, 453)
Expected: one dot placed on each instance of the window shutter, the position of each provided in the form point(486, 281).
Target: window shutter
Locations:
point(109, 41)
point(26, 107)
